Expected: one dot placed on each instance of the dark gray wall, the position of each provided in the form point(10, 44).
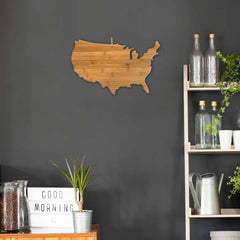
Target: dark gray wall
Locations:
point(134, 139)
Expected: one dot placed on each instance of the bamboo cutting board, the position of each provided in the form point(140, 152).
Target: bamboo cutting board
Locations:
point(112, 65)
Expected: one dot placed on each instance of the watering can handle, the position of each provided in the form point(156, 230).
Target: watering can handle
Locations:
point(220, 183)
point(192, 189)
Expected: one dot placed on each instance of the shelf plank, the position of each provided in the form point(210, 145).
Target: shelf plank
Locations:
point(190, 89)
point(225, 213)
point(192, 150)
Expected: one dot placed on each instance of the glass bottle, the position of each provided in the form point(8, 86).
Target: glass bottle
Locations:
point(238, 120)
point(24, 219)
point(202, 118)
point(9, 202)
point(215, 139)
point(211, 64)
point(196, 64)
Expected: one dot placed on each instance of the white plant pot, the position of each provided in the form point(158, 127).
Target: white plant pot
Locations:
point(225, 137)
point(225, 235)
point(236, 139)
point(82, 221)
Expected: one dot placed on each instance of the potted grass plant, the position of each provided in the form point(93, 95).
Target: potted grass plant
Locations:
point(79, 177)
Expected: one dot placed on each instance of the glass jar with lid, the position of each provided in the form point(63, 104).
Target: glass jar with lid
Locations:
point(9, 203)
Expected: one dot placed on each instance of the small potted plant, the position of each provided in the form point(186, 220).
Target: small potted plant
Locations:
point(229, 86)
point(79, 176)
point(234, 181)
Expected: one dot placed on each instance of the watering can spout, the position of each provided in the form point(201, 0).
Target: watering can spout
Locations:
point(220, 183)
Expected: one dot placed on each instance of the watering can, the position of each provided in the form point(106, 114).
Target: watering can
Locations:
point(206, 193)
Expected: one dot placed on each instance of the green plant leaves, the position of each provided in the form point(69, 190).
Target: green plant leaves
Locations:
point(214, 131)
point(229, 84)
point(79, 176)
point(208, 127)
point(234, 181)
point(231, 89)
point(227, 104)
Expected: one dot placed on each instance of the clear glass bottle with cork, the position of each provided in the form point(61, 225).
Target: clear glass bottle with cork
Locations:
point(211, 64)
point(196, 69)
point(202, 118)
point(215, 139)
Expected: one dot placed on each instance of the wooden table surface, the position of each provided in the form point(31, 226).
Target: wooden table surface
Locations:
point(54, 234)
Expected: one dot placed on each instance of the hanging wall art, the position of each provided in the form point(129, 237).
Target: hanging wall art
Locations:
point(112, 65)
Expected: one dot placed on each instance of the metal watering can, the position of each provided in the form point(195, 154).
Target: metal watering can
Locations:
point(206, 194)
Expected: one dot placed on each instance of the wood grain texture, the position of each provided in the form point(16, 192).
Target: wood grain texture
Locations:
point(93, 235)
point(113, 66)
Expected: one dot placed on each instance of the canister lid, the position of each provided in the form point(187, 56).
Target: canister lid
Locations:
point(211, 35)
point(213, 103)
point(202, 103)
point(196, 35)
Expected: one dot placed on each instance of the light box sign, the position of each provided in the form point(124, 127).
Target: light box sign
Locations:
point(51, 207)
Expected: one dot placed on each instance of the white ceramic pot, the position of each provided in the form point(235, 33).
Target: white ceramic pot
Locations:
point(225, 235)
point(236, 139)
point(225, 137)
point(82, 221)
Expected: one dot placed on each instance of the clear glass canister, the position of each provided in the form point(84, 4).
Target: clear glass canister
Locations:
point(24, 219)
point(9, 201)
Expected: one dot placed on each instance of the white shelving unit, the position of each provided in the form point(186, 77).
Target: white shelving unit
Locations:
point(193, 150)
point(190, 149)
